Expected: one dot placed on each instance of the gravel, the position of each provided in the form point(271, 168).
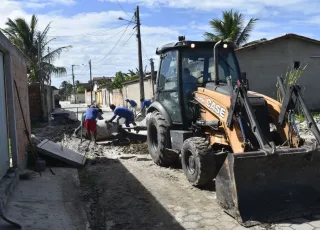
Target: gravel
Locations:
point(305, 132)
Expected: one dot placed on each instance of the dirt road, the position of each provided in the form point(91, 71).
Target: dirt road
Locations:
point(136, 194)
point(124, 189)
point(131, 192)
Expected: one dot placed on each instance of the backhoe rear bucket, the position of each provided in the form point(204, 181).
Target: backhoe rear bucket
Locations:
point(257, 188)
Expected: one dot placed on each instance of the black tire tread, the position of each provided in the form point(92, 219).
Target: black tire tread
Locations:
point(163, 158)
point(201, 149)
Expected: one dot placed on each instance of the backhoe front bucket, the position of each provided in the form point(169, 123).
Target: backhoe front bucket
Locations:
point(256, 188)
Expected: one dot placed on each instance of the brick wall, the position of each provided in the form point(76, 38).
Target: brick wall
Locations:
point(35, 101)
point(19, 72)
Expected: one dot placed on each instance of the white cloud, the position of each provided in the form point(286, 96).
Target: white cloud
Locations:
point(44, 3)
point(94, 34)
point(250, 7)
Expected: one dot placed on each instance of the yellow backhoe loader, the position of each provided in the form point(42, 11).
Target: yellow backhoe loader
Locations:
point(205, 115)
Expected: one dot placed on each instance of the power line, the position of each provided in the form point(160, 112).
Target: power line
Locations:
point(103, 42)
point(123, 45)
point(96, 33)
point(122, 8)
point(144, 52)
point(115, 44)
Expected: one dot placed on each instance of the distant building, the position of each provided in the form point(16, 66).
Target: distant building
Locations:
point(263, 62)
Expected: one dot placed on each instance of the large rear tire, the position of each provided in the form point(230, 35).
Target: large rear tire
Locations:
point(157, 139)
point(197, 159)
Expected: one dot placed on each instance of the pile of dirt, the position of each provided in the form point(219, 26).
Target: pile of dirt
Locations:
point(54, 133)
point(136, 149)
point(109, 150)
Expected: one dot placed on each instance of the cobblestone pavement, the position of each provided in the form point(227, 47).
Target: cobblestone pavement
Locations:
point(166, 200)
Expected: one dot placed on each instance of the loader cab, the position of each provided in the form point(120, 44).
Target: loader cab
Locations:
point(187, 65)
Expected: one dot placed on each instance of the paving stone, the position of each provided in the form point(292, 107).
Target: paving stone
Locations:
point(298, 220)
point(284, 224)
point(194, 210)
point(189, 225)
point(210, 208)
point(209, 228)
point(208, 222)
point(180, 214)
point(240, 228)
point(192, 218)
point(209, 214)
point(178, 208)
point(283, 228)
point(178, 219)
point(315, 223)
point(226, 218)
point(170, 206)
point(225, 225)
point(302, 227)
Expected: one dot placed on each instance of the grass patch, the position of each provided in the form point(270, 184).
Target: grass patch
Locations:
point(316, 115)
point(299, 117)
point(291, 77)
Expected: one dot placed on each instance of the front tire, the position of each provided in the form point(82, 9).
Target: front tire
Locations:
point(197, 159)
point(157, 139)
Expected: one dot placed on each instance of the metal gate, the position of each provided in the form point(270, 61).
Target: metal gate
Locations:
point(4, 142)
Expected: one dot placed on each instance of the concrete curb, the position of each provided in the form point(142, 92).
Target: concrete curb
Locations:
point(7, 185)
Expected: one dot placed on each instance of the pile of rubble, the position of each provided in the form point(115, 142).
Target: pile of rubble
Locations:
point(305, 132)
point(54, 133)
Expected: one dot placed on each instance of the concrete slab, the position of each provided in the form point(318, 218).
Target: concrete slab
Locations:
point(59, 152)
point(48, 202)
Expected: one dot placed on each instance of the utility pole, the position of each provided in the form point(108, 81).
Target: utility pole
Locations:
point(74, 87)
point(152, 75)
point(137, 15)
point(91, 81)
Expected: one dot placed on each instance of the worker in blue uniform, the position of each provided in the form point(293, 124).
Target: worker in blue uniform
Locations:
point(122, 112)
point(145, 104)
point(133, 105)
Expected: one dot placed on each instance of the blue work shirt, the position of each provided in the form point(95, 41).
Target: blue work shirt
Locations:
point(145, 103)
point(91, 114)
point(132, 103)
point(122, 112)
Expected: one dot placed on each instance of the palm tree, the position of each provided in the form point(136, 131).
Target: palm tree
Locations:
point(230, 28)
point(26, 36)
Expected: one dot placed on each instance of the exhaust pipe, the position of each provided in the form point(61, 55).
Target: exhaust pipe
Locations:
point(215, 56)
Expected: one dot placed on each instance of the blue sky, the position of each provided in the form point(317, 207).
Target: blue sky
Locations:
point(92, 28)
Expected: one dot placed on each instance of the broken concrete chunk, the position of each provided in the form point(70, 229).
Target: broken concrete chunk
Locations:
point(61, 153)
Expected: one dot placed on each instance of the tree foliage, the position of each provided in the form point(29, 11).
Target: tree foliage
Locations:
point(118, 80)
point(24, 35)
point(230, 28)
point(81, 89)
point(65, 89)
